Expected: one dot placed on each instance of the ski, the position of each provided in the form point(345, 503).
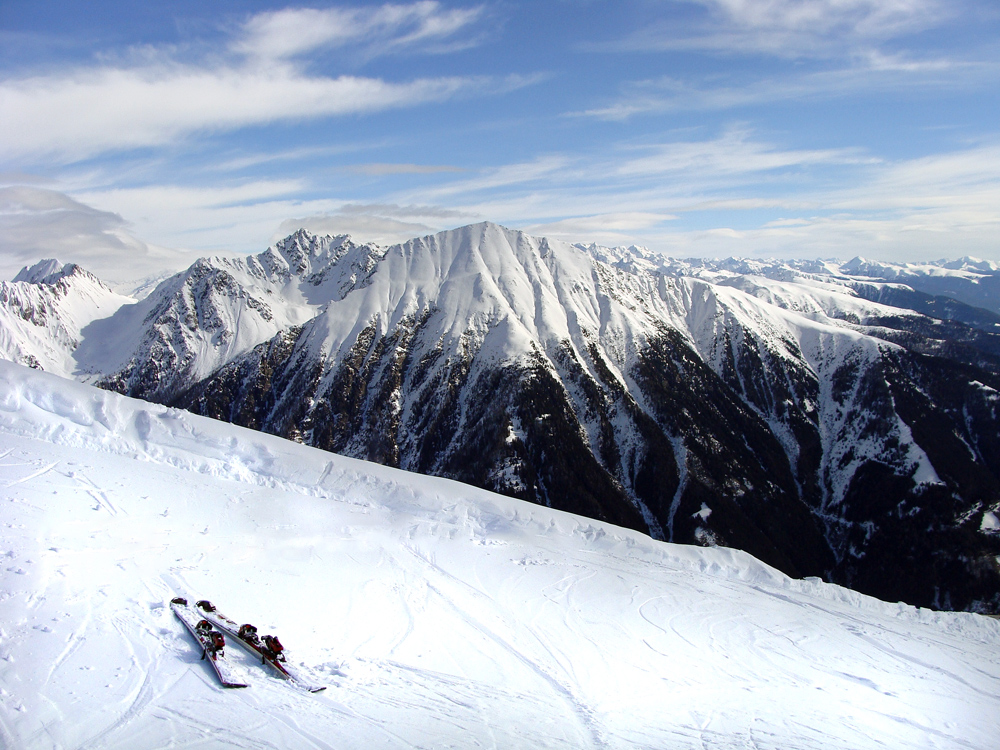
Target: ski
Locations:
point(268, 647)
point(212, 642)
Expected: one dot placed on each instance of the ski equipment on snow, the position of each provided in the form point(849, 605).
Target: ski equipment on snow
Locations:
point(268, 648)
point(212, 642)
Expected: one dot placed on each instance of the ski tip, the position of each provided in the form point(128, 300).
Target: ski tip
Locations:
point(319, 689)
point(179, 600)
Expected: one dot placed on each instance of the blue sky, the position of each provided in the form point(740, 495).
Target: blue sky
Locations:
point(135, 136)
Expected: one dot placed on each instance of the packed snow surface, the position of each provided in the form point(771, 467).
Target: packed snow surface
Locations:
point(438, 615)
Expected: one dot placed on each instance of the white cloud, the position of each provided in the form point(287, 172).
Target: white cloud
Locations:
point(381, 170)
point(871, 71)
point(229, 218)
point(191, 221)
point(724, 173)
point(294, 31)
point(235, 163)
point(245, 217)
point(734, 153)
point(609, 229)
point(161, 95)
point(729, 195)
point(862, 17)
point(752, 198)
point(793, 28)
point(543, 168)
point(107, 109)
point(38, 223)
point(837, 236)
point(380, 223)
point(140, 201)
point(945, 205)
point(634, 178)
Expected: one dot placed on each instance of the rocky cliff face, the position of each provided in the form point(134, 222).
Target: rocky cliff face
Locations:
point(785, 409)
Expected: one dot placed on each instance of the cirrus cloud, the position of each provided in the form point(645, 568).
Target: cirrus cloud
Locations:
point(164, 95)
point(793, 28)
point(293, 31)
point(110, 109)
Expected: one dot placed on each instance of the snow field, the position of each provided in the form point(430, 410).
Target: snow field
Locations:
point(438, 615)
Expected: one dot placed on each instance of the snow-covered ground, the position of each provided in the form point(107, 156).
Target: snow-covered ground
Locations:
point(438, 615)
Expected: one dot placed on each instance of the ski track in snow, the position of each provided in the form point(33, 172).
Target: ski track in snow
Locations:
point(437, 615)
point(33, 475)
point(559, 688)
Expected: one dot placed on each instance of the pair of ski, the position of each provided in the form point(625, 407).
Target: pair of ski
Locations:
point(208, 625)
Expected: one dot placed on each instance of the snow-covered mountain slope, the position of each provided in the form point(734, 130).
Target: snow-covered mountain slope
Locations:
point(439, 615)
point(44, 310)
point(969, 281)
point(816, 418)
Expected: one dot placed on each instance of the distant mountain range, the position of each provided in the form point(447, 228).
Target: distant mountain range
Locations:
point(832, 419)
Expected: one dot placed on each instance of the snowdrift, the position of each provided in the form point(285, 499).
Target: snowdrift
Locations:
point(438, 615)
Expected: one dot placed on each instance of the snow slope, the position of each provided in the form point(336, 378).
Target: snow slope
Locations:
point(438, 614)
point(44, 311)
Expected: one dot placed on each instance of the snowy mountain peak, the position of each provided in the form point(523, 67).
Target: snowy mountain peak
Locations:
point(969, 263)
point(308, 253)
point(477, 282)
point(45, 309)
point(50, 272)
point(43, 272)
point(858, 266)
